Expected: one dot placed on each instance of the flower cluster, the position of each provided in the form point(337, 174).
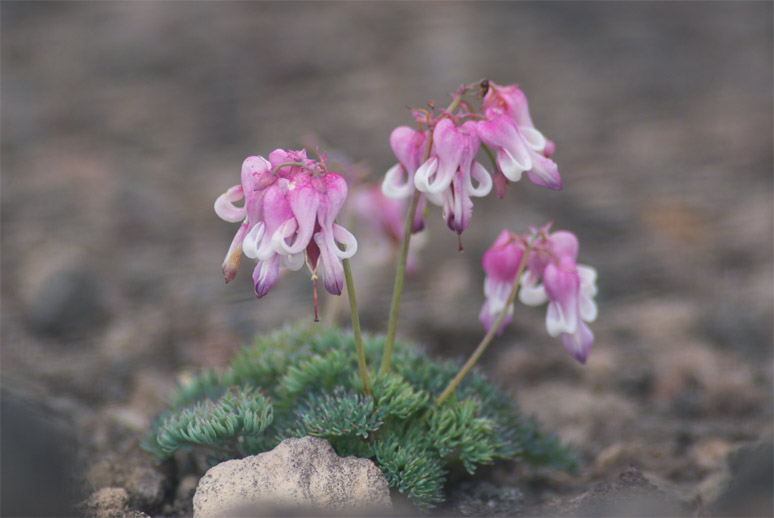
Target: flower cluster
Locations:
point(549, 273)
point(288, 219)
point(439, 158)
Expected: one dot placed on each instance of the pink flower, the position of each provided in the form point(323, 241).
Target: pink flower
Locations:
point(408, 145)
point(501, 264)
point(288, 219)
point(519, 151)
point(552, 276)
point(447, 175)
point(569, 288)
point(256, 175)
point(451, 141)
point(520, 147)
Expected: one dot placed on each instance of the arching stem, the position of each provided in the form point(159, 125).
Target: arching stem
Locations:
point(490, 334)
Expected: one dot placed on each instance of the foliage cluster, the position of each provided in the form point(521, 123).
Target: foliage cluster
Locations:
point(298, 382)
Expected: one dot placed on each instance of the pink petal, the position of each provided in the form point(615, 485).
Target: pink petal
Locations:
point(562, 286)
point(331, 268)
point(450, 146)
point(579, 343)
point(563, 244)
point(224, 205)
point(408, 145)
point(234, 255)
point(550, 148)
point(502, 260)
point(457, 206)
point(419, 217)
point(265, 275)
point(488, 317)
point(304, 201)
point(502, 135)
point(544, 172)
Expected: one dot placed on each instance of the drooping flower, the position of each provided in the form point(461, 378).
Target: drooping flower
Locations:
point(256, 176)
point(501, 264)
point(520, 147)
point(291, 204)
point(552, 276)
point(570, 289)
point(439, 158)
point(408, 145)
point(446, 177)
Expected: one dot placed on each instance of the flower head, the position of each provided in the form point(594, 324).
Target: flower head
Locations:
point(439, 158)
point(520, 147)
point(551, 275)
point(291, 204)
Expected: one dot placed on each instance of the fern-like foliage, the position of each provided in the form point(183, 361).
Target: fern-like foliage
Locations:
point(299, 382)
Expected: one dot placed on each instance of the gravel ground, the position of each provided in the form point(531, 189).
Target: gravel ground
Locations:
point(122, 122)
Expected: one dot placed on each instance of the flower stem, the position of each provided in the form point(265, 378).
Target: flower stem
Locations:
point(489, 335)
point(356, 327)
point(392, 324)
point(397, 291)
point(286, 164)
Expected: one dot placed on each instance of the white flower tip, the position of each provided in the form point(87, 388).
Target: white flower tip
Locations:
point(224, 205)
point(253, 239)
point(391, 186)
point(346, 238)
point(533, 138)
point(422, 176)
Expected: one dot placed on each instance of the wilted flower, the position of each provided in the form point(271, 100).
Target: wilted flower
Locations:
point(552, 276)
point(291, 203)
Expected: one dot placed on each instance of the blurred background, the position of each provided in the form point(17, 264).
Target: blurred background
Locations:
point(122, 122)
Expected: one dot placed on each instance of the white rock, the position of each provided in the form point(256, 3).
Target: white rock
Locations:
point(299, 473)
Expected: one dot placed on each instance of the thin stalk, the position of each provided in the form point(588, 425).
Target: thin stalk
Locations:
point(489, 335)
point(286, 164)
point(356, 327)
point(397, 290)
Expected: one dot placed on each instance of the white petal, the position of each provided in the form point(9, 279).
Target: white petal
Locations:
point(423, 174)
point(531, 293)
point(224, 205)
point(435, 199)
point(391, 186)
point(345, 237)
point(286, 230)
point(481, 175)
point(293, 262)
point(510, 167)
point(533, 138)
point(496, 293)
point(588, 278)
point(253, 240)
point(556, 321)
point(588, 308)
